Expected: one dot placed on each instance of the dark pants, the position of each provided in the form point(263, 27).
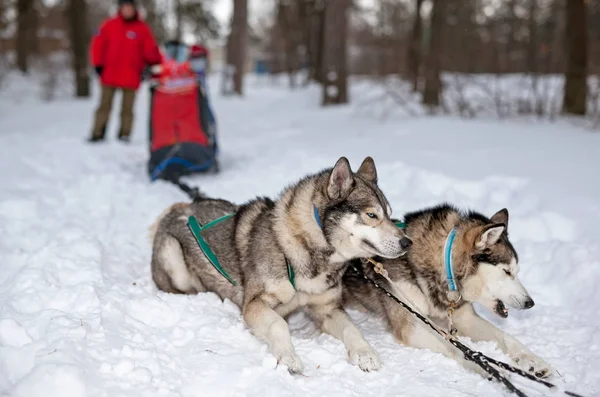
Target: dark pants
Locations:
point(103, 111)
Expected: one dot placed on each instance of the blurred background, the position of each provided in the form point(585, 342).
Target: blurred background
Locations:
point(464, 57)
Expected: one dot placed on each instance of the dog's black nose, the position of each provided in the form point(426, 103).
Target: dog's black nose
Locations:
point(405, 243)
point(529, 303)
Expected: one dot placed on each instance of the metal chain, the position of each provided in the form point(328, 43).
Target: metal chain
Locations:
point(527, 375)
point(476, 357)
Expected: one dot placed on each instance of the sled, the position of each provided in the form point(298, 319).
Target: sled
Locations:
point(182, 131)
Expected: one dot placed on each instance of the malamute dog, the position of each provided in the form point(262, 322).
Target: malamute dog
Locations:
point(284, 254)
point(465, 252)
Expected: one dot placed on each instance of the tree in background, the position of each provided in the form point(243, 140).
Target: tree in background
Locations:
point(414, 47)
point(154, 18)
point(533, 42)
point(433, 83)
point(200, 20)
point(288, 24)
point(482, 45)
point(237, 44)
point(3, 9)
point(310, 19)
point(79, 38)
point(4, 22)
point(25, 22)
point(391, 38)
point(334, 62)
point(191, 16)
point(178, 20)
point(315, 14)
point(575, 92)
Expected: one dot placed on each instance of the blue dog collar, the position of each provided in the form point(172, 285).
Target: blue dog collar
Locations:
point(317, 216)
point(448, 260)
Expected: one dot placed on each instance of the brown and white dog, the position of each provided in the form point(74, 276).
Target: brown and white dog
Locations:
point(451, 248)
point(312, 230)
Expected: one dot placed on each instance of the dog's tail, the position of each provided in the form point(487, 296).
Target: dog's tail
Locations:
point(154, 227)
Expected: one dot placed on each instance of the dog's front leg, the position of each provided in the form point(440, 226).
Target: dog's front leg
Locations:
point(409, 331)
point(470, 324)
point(267, 325)
point(336, 322)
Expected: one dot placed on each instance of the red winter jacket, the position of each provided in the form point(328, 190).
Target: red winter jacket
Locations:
point(123, 48)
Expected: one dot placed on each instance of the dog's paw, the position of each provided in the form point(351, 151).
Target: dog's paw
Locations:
point(533, 364)
point(293, 362)
point(366, 359)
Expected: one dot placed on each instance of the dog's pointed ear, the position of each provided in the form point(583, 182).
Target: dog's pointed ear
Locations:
point(489, 235)
point(367, 170)
point(501, 217)
point(341, 180)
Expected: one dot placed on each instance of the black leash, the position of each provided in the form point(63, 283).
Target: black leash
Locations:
point(476, 357)
point(194, 193)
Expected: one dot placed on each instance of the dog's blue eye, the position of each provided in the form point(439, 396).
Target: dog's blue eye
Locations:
point(508, 273)
point(371, 215)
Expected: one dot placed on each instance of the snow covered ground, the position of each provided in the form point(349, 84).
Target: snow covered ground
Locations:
point(79, 315)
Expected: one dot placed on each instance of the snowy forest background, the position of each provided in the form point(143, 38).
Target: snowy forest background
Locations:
point(467, 57)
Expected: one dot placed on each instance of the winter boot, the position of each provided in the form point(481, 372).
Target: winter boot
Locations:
point(124, 138)
point(94, 139)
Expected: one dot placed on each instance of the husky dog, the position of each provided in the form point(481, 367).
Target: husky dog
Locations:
point(285, 254)
point(455, 256)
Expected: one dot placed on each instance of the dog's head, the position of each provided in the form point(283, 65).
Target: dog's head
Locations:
point(491, 266)
point(356, 217)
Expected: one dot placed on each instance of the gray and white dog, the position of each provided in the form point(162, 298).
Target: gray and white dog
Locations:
point(311, 231)
point(475, 253)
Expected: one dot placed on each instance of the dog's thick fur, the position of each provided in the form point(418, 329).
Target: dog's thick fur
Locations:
point(485, 266)
point(255, 244)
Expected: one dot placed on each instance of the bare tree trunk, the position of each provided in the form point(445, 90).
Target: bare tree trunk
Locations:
point(304, 21)
point(286, 23)
point(24, 9)
point(334, 67)
point(307, 20)
point(313, 13)
point(433, 83)
point(154, 20)
point(557, 62)
point(237, 44)
point(532, 57)
point(3, 8)
point(414, 47)
point(227, 74)
point(319, 42)
point(78, 32)
point(532, 50)
point(511, 40)
point(179, 20)
point(32, 30)
point(495, 30)
point(380, 41)
point(575, 94)
point(470, 35)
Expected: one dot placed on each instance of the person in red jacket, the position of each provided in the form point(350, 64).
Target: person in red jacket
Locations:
point(120, 51)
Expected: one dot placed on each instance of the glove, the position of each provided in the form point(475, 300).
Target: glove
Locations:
point(146, 74)
point(99, 70)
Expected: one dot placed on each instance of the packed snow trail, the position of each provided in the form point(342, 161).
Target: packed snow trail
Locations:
point(79, 315)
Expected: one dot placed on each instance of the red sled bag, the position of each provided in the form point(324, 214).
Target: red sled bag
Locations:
point(180, 140)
